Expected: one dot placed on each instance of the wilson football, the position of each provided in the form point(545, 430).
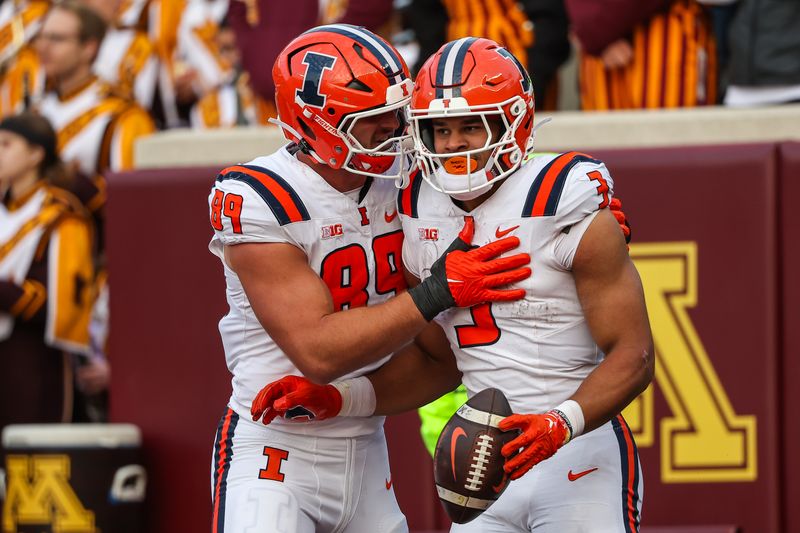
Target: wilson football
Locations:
point(468, 466)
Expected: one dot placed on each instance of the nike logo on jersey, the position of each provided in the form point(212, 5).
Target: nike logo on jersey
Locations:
point(573, 477)
point(389, 217)
point(502, 233)
point(458, 432)
point(389, 484)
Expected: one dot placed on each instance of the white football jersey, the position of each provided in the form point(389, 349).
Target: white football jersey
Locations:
point(539, 349)
point(353, 242)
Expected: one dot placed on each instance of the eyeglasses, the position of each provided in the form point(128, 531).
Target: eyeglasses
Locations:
point(56, 38)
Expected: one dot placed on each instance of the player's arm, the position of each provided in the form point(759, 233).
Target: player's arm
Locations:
point(417, 374)
point(295, 307)
point(612, 299)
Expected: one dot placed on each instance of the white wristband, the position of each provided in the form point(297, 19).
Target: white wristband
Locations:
point(571, 411)
point(358, 396)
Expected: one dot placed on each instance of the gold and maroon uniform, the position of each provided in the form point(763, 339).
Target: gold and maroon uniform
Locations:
point(45, 303)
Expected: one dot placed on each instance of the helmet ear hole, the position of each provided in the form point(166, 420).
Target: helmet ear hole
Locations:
point(306, 129)
point(359, 85)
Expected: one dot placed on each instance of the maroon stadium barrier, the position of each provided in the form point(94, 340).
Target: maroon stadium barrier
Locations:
point(714, 396)
point(706, 233)
point(789, 190)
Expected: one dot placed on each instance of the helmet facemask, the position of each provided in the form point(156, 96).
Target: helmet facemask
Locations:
point(456, 173)
point(393, 158)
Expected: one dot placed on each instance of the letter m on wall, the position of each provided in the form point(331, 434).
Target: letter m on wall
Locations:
point(38, 492)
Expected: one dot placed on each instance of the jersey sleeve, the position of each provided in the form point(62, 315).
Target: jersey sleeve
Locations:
point(238, 214)
point(588, 189)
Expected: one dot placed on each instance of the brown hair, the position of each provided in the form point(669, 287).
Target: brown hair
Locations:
point(37, 131)
point(92, 25)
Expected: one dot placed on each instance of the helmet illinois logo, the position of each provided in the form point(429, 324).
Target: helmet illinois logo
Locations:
point(316, 63)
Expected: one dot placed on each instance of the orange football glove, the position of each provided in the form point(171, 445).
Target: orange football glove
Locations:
point(296, 398)
point(622, 220)
point(465, 276)
point(542, 436)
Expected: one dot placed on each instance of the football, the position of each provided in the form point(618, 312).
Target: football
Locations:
point(468, 466)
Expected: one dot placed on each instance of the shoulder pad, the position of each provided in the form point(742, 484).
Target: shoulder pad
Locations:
point(280, 197)
point(547, 188)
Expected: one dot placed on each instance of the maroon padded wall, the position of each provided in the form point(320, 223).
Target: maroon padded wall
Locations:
point(790, 280)
point(723, 198)
point(168, 295)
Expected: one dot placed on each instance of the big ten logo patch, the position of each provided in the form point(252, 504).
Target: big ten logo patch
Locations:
point(703, 439)
point(331, 231)
point(428, 234)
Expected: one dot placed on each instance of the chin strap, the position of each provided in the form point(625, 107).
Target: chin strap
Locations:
point(533, 134)
point(304, 147)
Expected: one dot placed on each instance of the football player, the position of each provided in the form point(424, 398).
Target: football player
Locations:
point(571, 354)
point(310, 240)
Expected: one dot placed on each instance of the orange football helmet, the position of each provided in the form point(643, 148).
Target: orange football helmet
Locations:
point(472, 77)
point(328, 79)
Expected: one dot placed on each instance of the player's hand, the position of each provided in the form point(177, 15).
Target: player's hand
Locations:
point(542, 436)
point(465, 276)
point(622, 220)
point(296, 398)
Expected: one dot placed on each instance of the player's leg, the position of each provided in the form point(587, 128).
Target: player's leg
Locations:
point(254, 487)
point(592, 484)
point(375, 506)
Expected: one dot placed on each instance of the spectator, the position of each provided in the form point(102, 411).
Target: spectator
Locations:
point(764, 65)
point(96, 127)
point(133, 14)
point(20, 77)
point(45, 242)
point(721, 12)
point(163, 20)
point(197, 67)
point(234, 103)
point(126, 59)
point(644, 54)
